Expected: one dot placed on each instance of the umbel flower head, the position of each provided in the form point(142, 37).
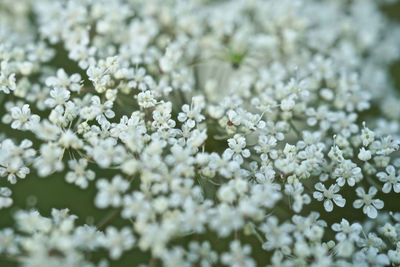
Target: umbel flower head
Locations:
point(199, 133)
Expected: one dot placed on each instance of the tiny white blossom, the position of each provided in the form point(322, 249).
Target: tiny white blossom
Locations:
point(5, 199)
point(146, 99)
point(238, 255)
point(79, 176)
point(7, 83)
point(364, 155)
point(348, 172)
point(117, 241)
point(237, 148)
point(62, 80)
point(109, 193)
point(394, 255)
point(191, 114)
point(346, 230)
point(390, 179)
point(330, 195)
point(23, 119)
point(367, 136)
point(370, 205)
point(59, 96)
point(389, 231)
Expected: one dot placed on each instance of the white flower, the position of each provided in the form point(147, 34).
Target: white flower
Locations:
point(98, 111)
point(109, 193)
point(106, 152)
point(345, 248)
point(296, 191)
point(288, 103)
point(347, 231)
point(237, 148)
point(141, 81)
point(364, 155)
point(191, 114)
point(202, 252)
point(32, 221)
point(336, 154)
point(117, 241)
point(59, 96)
point(277, 235)
point(23, 119)
point(390, 179)
point(347, 171)
point(14, 159)
point(224, 165)
point(63, 81)
point(5, 200)
point(345, 124)
point(238, 256)
point(367, 136)
point(146, 99)
point(366, 201)
point(49, 160)
point(7, 242)
point(227, 194)
point(197, 138)
point(224, 219)
point(175, 97)
point(69, 139)
point(329, 195)
point(79, 176)
point(99, 77)
point(394, 255)
point(234, 117)
point(265, 144)
point(7, 83)
point(389, 231)
point(370, 257)
point(322, 115)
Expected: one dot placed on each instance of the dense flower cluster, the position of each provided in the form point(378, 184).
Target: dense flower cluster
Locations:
point(236, 133)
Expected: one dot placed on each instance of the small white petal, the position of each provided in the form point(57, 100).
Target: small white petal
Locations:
point(358, 203)
point(341, 181)
point(370, 211)
point(387, 187)
point(328, 205)
point(396, 188)
point(318, 195)
point(372, 191)
point(360, 191)
point(339, 200)
point(246, 153)
point(378, 203)
point(390, 170)
point(382, 176)
point(319, 187)
point(351, 181)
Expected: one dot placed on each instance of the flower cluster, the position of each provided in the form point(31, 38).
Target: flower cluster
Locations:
point(235, 133)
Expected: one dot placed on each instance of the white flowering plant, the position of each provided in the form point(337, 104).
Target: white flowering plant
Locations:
point(199, 133)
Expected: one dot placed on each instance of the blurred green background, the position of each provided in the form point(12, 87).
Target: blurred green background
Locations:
point(53, 192)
